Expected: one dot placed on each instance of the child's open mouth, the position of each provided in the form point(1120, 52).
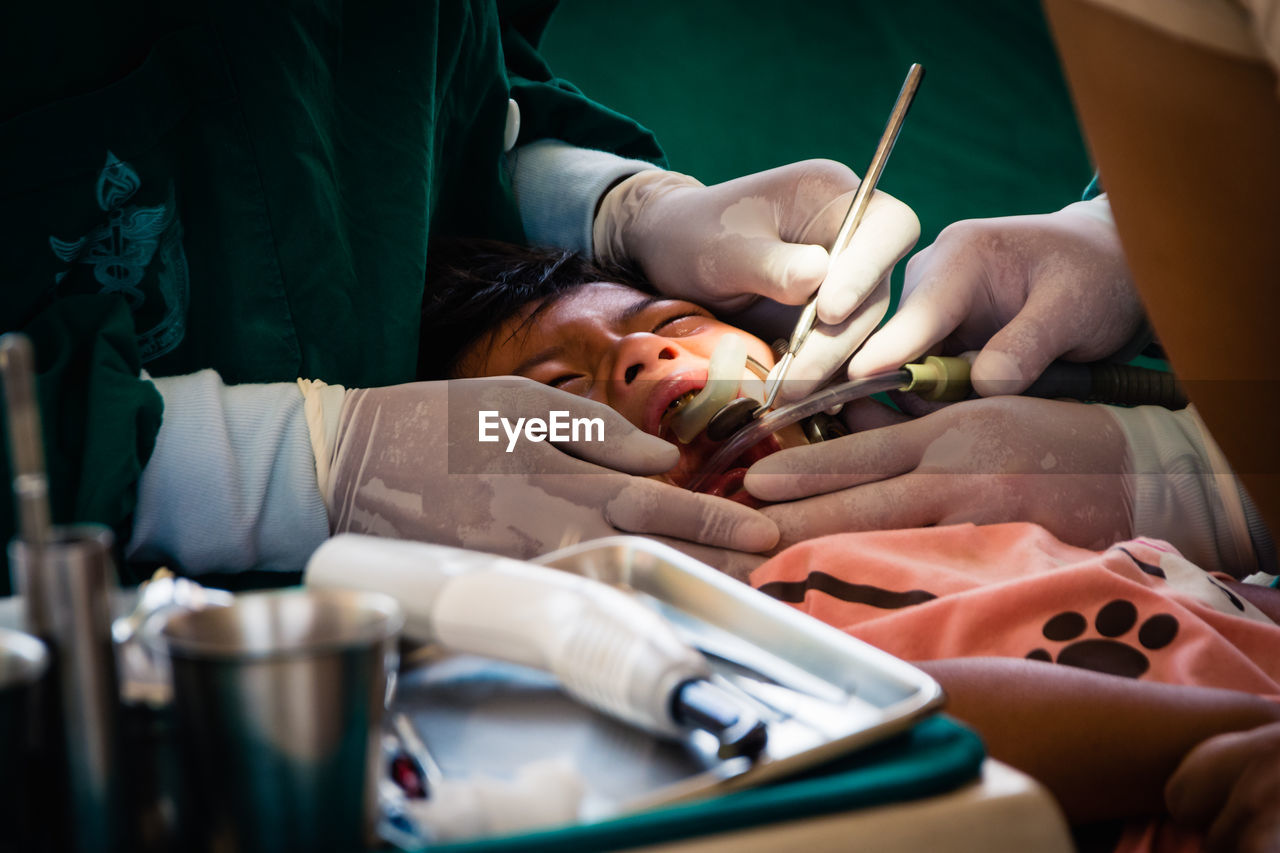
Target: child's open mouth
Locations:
point(667, 400)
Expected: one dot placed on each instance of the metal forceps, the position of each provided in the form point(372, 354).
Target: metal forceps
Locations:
point(861, 198)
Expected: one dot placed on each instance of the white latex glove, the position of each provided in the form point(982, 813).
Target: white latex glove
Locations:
point(1229, 786)
point(764, 235)
point(406, 462)
point(1058, 464)
point(1092, 475)
point(1024, 290)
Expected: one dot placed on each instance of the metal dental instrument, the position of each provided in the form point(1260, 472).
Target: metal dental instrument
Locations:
point(858, 207)
point(30, 484)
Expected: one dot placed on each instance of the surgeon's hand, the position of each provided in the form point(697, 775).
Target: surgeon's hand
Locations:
point(1229, 787)
point(1061, 465)
point(1024, 290)
point(407, 462)
point(764, 235)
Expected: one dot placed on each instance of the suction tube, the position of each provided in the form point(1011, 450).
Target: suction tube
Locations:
point(1118, 384)
point(762, 428)
point(947, 379)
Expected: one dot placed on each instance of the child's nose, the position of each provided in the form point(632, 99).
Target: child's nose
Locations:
point(639, 354)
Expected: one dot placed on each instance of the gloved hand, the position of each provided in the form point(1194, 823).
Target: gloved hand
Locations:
point(1024, 290)
point(1229, 786)
point(764, 235)
point(406, 461)
point(1061, 465)
point(1092, 475)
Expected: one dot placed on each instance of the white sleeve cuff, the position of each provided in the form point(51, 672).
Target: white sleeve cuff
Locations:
point(557, 187)
point(231, 484)
point(1183, 490)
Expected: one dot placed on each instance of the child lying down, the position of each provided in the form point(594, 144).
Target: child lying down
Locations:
point(1097, 672)
point(560, 320)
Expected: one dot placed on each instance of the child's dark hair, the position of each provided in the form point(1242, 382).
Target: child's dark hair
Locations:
point(473, 286)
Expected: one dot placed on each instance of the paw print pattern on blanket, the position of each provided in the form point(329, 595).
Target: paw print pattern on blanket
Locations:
point(1113, 651)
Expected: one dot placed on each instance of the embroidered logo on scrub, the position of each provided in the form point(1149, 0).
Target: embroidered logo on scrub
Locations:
point(120, 251)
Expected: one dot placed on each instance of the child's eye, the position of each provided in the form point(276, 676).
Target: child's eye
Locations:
point(574, 383)
point(684, 323)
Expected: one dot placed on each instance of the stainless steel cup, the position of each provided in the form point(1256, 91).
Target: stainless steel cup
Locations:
point(66, 584)
point(279, 701)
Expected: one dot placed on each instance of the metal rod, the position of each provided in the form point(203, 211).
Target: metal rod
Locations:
point(30, 483)
point(852, 218)
point(27, 564)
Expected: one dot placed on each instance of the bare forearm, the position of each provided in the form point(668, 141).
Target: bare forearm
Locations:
point(1104, 745)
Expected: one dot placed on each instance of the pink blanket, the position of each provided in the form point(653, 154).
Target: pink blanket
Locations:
point(1138, 609)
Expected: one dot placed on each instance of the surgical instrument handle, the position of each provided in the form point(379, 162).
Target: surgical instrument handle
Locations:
point(857, 207)
point(862, 196)
point(1117, 384)
point(946, 378)
point(30, 483)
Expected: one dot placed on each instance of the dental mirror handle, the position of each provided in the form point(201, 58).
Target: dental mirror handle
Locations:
point(852, 218)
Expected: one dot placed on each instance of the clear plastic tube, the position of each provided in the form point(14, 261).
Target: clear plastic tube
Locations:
point(820, 401)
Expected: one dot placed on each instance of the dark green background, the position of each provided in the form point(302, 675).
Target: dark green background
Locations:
point(736, 86)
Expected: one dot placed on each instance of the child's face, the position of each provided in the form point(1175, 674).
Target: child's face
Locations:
point(627, 349)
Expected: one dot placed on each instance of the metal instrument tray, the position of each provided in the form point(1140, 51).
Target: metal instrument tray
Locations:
point(822, 692)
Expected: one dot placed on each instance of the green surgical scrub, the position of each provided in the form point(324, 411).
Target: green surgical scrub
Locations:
point(247, 186)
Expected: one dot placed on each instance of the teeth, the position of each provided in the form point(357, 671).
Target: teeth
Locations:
point(680, 401)
point(724, 374)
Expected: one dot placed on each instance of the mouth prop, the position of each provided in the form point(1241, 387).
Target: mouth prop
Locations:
point(674, 407)
point(689, 414)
